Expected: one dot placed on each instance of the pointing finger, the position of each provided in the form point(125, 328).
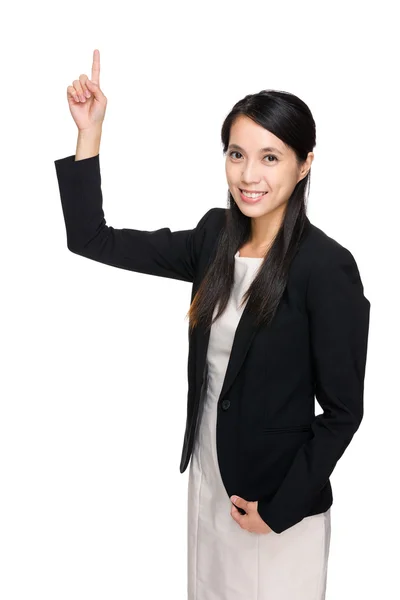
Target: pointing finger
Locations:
point(96, 67)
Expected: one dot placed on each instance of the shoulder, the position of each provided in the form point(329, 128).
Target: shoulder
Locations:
point(317, 250)
point(216, 217)
point(211, 223)
point(321, 248)
point(331, 267)
point(317, 245)
point(205, 235)
point(322, 255)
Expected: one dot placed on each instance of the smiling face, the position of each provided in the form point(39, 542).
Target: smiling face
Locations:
point(258, 161)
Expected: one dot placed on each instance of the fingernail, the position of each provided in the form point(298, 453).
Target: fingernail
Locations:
point(87, 93)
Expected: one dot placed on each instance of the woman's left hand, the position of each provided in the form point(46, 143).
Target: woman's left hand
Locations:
point(252, 521)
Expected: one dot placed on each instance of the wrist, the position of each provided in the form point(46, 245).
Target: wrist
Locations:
point(90, 135)
point(88, 144)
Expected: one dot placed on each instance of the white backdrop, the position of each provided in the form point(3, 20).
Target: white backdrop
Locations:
point(92, 503)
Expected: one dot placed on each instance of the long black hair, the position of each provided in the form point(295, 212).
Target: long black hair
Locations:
point(290, 119)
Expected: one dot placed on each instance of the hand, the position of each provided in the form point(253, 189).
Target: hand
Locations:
point(252, 521)
point(87, 102)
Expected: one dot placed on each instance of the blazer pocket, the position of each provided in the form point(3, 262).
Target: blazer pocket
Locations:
point(292, 428)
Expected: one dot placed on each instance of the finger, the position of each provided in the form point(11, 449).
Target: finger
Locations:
point(71, 92)
point(83, 79)
point(236, 514)
point(240, 519)
point(78, 86)
point(239, 502)
point(96, 67)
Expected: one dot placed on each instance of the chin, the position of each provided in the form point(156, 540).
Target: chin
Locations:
point(256, 208)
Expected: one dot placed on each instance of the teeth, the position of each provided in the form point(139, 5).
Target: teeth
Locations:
point(253, 195)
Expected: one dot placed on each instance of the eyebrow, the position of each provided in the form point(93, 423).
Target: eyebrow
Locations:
point(267, 149)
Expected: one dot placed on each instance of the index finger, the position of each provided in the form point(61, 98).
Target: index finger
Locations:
point(96, 67)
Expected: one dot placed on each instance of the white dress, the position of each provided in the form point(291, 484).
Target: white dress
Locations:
point(226, 562)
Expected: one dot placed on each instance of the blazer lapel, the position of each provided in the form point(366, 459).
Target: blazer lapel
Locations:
point(244, 334)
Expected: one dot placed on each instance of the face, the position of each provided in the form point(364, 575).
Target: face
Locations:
point(251, 167)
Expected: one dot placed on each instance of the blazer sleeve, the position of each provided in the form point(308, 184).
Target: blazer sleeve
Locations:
point(161, 252)
point(339, 322)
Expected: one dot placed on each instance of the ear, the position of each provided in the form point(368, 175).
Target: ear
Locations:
point(306, 166)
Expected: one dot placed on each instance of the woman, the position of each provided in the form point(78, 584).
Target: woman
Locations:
point(278, 316)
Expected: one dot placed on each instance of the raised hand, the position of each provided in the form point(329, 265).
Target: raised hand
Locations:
point(86, 101)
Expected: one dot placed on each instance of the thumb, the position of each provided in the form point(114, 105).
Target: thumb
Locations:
point(239, 501)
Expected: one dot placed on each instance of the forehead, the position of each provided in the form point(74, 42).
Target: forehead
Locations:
point(249, 136)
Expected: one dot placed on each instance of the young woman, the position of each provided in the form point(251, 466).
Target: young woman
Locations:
point(277, 317)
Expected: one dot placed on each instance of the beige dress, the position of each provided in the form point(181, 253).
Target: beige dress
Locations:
point(226, 562)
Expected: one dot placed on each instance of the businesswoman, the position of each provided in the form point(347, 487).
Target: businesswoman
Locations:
point(277, 317)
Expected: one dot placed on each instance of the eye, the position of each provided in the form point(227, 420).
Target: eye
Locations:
point(269, 155)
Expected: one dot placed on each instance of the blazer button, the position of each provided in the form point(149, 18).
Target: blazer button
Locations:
point(225, 404)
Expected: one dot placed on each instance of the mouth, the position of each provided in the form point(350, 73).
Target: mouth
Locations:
point(251, 197)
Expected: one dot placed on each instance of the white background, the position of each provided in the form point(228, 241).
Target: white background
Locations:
point(92, 503)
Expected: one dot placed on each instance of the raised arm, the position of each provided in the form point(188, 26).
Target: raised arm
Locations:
point(160, 252)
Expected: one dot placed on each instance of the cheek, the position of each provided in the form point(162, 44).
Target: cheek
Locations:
point(230, 175)
point(281, 188)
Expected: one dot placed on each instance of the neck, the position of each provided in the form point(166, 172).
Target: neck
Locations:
point(264, 229)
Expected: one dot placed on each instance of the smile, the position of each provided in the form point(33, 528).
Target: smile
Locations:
point(252, 194)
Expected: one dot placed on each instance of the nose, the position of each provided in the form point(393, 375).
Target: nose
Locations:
point(250, 176)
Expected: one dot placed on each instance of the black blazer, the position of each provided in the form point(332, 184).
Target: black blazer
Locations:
point(271, 445)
